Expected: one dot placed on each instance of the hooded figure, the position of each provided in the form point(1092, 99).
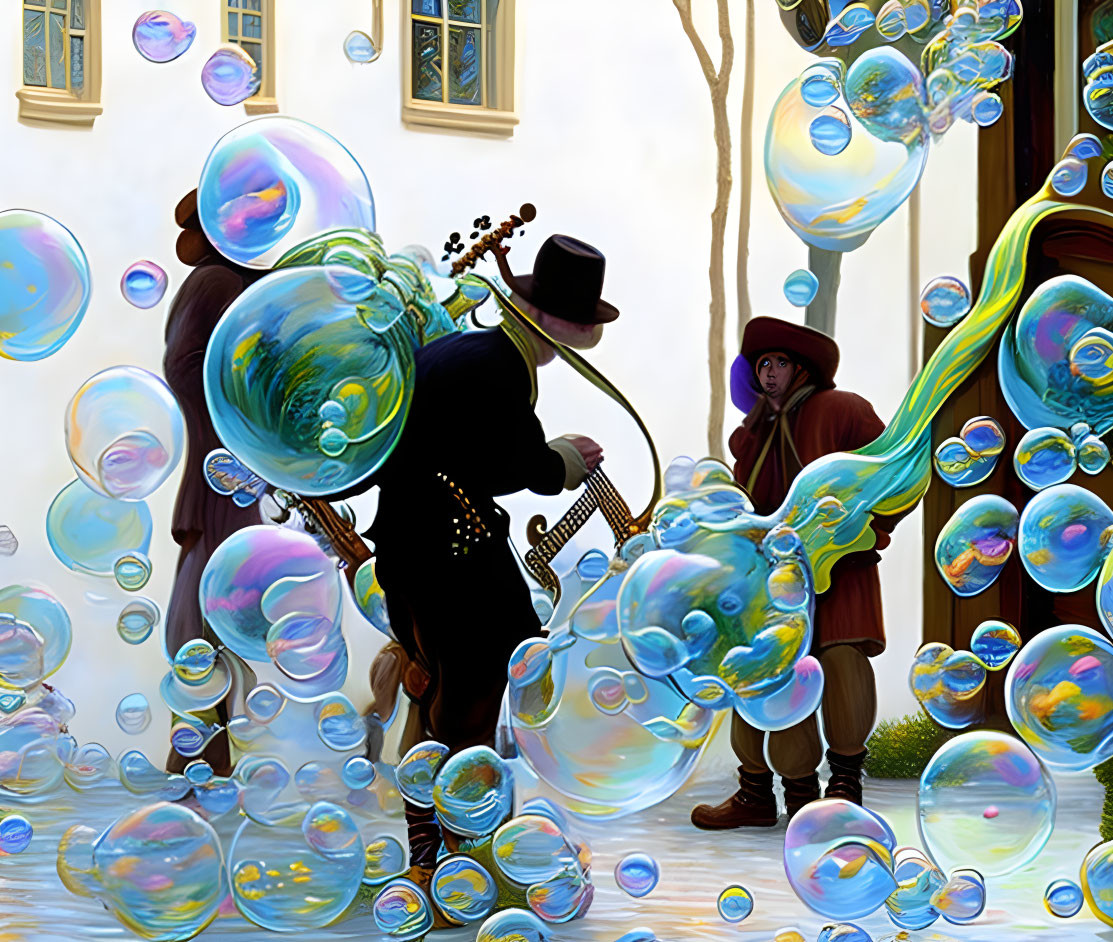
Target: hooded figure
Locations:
point(784, 380)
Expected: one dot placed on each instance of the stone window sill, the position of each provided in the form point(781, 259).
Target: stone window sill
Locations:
point(479, 120)
point(260, 105)
point(56, 106)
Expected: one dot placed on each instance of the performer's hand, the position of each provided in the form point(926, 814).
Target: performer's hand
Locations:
point(590, 450)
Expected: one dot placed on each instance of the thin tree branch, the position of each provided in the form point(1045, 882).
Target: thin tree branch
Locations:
point(746, 146)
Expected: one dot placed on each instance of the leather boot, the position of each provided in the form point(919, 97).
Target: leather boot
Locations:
point(752, 806)
point(799, 792)
point(846, 776)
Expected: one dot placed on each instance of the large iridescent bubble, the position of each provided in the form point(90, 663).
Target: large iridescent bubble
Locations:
point(159, 870)
point(1056, 358)
point(1096, 877)
point(1059, 696)
point(839, 858)
point(44, 285)
point(474, 792)
point(124, 432)
point(35, 636)
point(89, 532)
point(985, 801)
point(274, 182)
point(836, 201)
point(975, 543)
point(1064, 537)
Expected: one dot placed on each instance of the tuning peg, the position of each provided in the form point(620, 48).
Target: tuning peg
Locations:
point(455, 237)
point(474, 235)
point(528, 212)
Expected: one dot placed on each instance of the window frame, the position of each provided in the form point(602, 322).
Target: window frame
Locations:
point(266, 101)
point(62, 105)
point(499, 117)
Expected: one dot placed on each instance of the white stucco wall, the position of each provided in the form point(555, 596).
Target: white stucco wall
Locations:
point(614, 146)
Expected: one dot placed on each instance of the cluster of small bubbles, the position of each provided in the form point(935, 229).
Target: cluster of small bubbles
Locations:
point(1064, 537)
point(463, 889)
point(974, 545)
point(417, 772)
point(160, 36)
point(533, 851)
point(264, 703)
point(945, 301)
point(8, 543)
point(359, 47)
point(384, 858)
point(402, 911)
point(1091, 452)
point(137, 619)
point(995, 643)
point(473, 791)
point(637, 874)
point(971, 457)
point(1096, 877)
point(230, 75)
point(143, 284)
point(966, 776)
point(800, 287)
point(88, 532)
point(1097, 70)
point(44, 284)
point(947, 683)
point(1059, 697)
point(124, 432)
point(1044, 457)
point(513, 925)
point(844, 931)
point(132, 571)
point(830, 131)
point(35, 636)
point(839, 857)
point(735, 903)
point(15, 834)
point(133, 714)
point(1063, 898)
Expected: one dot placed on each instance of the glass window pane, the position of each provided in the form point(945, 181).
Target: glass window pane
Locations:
point(34, 3)
point(234, 3)
point(463, 66)
point(252, 4)
point(252, 26)
point(34, 48)
point(77, 63)
point(77, 14)
point(233, 25)
point(255, 50)
point(466, 10)
point(427, 7)
point(58, 4)
point(427, 62)
point(57, 52)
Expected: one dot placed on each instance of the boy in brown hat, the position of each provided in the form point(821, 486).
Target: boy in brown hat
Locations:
point(783, 380)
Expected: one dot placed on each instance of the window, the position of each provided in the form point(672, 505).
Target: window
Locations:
point(61, 61)
point(460, 73)
point(249, 24)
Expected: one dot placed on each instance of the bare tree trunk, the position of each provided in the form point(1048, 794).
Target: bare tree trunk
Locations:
point(718, 83)
point(746, 147)
point(825, 265)
point(916, 323)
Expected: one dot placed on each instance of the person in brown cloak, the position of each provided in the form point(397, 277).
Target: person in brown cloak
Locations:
point(202, 518)
point(783, 380)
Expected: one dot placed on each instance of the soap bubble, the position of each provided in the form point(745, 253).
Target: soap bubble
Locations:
point(133, 714)
point(513, 925)
point(417, 772)
point(947, 683)
point(843, 931)
point(918, 880)
point(975, 543)
point(358, 772)
point(1068, 176)
point(198, 772)
point(8, 543)
point(994, 643)
point(158, 869)
point(531, 849)
point(986, 108)
point(885, 92)
point(964, 777)
point(473, 791)
point(1044, 457)
point(29, 761)
point(44, 284)
point(641, 934)
point(359, 47)
point(257, 576)
point(190, 736)
point(275, 181)
point(1064, 537)
point(384, 858)
point(194, 662)
point(15, 834)
point(1097, 881)
point(1093, 454)
point(402, 911)
point(1059, 697)
point(143, 284)
point(463, 889)
point(230, 76)
point(132, 571)
point(971, 457)
point(10, 702)
point(800, 287)
point(124, 432)
point(945, 301)
point(264, 702)
point(830, 132)
point(298, 873)
point(637, 874)
point(311, 652)
point(1063, 898)
point(890, 22)
point(1097, 71)
point(160, 36)
point(138, 776)
point(562, 897)
point(339, 724)
point(1107, 180)
point(137, 620)
point(88, 532)
point(206, 692)
point(962, 899)
point(838, 858)
point(851, 23)
point(819, 84)
point(735, 903)
point(35, 636)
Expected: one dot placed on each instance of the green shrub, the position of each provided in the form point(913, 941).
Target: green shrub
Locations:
point(1104, 774)
point(902, 748)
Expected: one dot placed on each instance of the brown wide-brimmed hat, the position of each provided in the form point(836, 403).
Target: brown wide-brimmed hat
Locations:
point(818, 352)
point(192, 247)
point(567, 281)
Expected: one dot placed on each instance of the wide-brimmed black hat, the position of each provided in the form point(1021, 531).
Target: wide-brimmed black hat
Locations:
point(566, 282)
